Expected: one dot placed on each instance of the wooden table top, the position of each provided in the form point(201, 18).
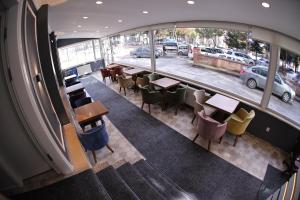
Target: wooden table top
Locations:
point(70, 77)
point(134, 71)
point(90, 112)
point(111, 66)
point(223, 103)
point(165, 83)
point(74, 88)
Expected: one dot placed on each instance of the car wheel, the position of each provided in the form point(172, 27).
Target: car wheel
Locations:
point(251, 83)
point(251, 63)
point(286, 97)
point(180, 53)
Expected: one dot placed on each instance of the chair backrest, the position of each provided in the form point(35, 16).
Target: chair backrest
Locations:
point(123, 82)
point(95, 138)
point(153, 77)
point(140, 81)
point(105, 72)
point(150, 96)
point(181, 92)
point(83, 101)
point(118, 70)
point(199, 96)
point(239, 127)
point(75, 97)
point(209, 128)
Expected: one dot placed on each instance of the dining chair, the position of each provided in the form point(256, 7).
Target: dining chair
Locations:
point(115, 72)
point(75, 96)
point(83, 101)
point(154, 77)
point(200, 98)
point(175, 98)
point(105, 74)
point(72, 82)
point(209, 128)
point(125, 83)
point(95, 139)
point(238, 122)
point(150, 97)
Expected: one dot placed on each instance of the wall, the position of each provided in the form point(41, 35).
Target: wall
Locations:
point(65, 42)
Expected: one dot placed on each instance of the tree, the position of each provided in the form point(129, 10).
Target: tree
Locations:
point(236, 39)
point(256, 47)
point(210, 33)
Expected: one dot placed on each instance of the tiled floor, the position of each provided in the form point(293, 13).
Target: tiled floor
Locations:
point(251, 154)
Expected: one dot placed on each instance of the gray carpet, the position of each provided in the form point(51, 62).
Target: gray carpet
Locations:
point(197, 171)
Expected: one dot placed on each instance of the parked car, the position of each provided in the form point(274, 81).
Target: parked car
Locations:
point(237, 56)
point(262, 61)
point(256, 77)
point(144, 52)
point(169, 45)
point(183, 50)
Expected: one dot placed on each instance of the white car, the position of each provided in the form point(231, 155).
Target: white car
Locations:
point(241, 57)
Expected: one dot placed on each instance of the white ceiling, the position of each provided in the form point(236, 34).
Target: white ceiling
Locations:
point(66, 15)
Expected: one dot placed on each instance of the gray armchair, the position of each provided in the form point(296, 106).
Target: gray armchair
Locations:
point(175, 98)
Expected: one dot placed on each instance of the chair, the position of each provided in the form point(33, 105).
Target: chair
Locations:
point(124, 83)
point(95, 139)
point(150, 97)
point(209, 128)
point(72, 82)
point(175, 98)
point(199, 105)
point(237, 123)
point(83, 101)
point(153, 77)
point(76, 96)
point(105, 73)
point(115, 72)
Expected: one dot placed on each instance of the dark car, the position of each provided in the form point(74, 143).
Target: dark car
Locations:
point(144, 52)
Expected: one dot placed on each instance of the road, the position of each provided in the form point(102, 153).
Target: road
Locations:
point(182, 66)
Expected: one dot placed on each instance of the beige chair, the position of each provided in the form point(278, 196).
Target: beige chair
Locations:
point(200, 98)
point(125, 83)
point(237, 123)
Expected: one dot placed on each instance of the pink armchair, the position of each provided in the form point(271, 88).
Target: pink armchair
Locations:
point(209, 128)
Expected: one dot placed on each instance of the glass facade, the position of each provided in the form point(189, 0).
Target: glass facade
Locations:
point(132, 49)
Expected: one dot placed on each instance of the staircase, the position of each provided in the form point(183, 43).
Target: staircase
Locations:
point(139, 181)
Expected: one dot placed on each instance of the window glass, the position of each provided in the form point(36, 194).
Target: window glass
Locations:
point(132, 49)
point(76, 54)
point(218, 58)
point(106, 50)
point(285, 98)
point(97, 49)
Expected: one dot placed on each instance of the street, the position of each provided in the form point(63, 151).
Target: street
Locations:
point(183, 67)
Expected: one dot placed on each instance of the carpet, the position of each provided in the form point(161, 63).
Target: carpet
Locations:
point(193, 168)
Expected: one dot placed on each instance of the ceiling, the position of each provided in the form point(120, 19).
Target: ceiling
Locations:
point(66, 15)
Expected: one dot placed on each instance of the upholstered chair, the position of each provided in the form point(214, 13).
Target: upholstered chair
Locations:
point(75, 96)
point(154, 77)
point(105, 74)
point(83, 101)
point(199, 105)
point(116, 72)
point(238, 122)
point(150, 97)
point(95, 139)
point(124, 83)
point(175, 98)
point(209, 128)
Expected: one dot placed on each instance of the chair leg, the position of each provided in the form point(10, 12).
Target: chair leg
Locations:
point(143, 105)
point(235, 140)
point(220, 140)
point(94, 155)
point(194, 117)
point(209, 142)
point(149, 108)
point(195, 137)
point(120, 90)
point(176, 110)
point(124, 91)
point(109, 148)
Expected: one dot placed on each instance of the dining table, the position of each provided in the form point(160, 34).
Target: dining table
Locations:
point(165, 83)
point(223, 103)
point(74, 88)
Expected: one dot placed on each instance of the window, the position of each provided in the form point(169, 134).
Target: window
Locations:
point(97, 49)
point(205, 62)
point(76, 54)
point(105, 43)
point(285, 99)
point(132, 49)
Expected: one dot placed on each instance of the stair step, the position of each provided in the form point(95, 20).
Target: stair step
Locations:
point(164, 185)
point(83, 186)
point(115, 185)
point(138, 183)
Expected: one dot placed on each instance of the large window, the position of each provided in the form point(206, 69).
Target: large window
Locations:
point(132, 49)
point(218, 58)
point(105, 43)
point(79, 53)
point(285, 98)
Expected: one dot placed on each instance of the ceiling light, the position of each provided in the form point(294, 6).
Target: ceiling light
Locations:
point(106, 27)
point(99, 2)
point(85, 17)
point(74, 31)
point(145, 12)
point(120, 21)
point(97, 31)
point(190, 2)
point(265, 5)
point(79, 26)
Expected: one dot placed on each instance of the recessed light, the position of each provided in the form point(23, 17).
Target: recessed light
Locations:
point(74, 31)
point(99, 2)
point(106, 27)
point(265, 5)
point(97, 31)
point(120, 21)
point(79, 26)
point(145, 12)
point(190, 2)
point(85, 17)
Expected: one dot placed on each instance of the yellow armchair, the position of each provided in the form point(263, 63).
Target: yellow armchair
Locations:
point(237, 123)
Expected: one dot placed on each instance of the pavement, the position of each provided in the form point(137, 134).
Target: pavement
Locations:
point(183, 66)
